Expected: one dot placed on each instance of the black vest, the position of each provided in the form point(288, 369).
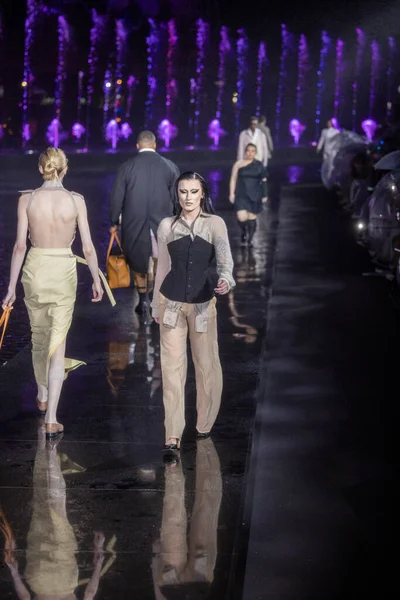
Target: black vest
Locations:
point(193, 277)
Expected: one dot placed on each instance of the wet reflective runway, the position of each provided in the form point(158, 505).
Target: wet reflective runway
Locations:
point(294, 497)
point(99, 510)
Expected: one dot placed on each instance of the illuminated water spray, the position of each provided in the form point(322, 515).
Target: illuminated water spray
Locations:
point(389, 75)
point(325, 46)
point(286, 45)
point(96, 34)
point(202, 38)
point(375, 72)
point(242, 50)
point(215, 131)
point(153, 45)
point(357, 73)
point(121, 35)
point(296, 128)
point(112, 130)
point(261, 65)
point(166, 130)
point(339, 71)
point(30, 22)
point(78, 129)
point(53, 131)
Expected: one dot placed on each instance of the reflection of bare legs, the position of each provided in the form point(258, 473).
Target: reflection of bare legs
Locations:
point(204, 522)
point(42, 392)
point(56, 378)
point(51, 567)
point(173, 527)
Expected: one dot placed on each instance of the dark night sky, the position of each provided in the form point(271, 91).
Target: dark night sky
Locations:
point(307, 16)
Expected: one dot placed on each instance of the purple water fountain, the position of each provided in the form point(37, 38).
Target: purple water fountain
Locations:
point(375, 73)
point(389, 75)
point(262, 62)
point(30, 22)
point(242, 51)
point(369, 127)
point(202, 38)
point(96, 34)
point(303, 67)
point(286, 46)
point(296, 130)
point(339, 71)
point(325, 46)
point(78, 129)
point(166, 130)
point(54, 129)
point(215, 131)
point(112, 134)
point(153, 45)
point(357, 73)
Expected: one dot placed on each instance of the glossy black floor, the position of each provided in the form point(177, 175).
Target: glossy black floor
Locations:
point(293, 497)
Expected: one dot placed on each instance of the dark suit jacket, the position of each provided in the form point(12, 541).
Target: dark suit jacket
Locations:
point(143, 192)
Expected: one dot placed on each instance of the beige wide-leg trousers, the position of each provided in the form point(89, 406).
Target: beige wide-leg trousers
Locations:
point(205, 355)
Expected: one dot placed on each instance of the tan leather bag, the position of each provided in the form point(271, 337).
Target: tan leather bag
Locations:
point(118, 273)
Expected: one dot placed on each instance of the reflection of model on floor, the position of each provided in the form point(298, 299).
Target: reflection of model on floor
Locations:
point(51, 556)
point(185, 562)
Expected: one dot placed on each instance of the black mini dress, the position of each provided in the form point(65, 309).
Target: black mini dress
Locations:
point(250, 187)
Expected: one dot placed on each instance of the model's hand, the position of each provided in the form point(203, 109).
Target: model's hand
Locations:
point(232, 198)
point(97, 291)
point(9, 299)
point(222, 287)
point(265, 200)
point(157, 320)
point(113, 228)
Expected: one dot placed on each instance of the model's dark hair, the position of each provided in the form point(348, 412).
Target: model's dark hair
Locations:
point(250, 146)
point(254, 118)
point(206, 202)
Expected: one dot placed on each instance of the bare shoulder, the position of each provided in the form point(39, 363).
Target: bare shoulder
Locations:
point(77, 195)
point(24, 196)
point(79, 199)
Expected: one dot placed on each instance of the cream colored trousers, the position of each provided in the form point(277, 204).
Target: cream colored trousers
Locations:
point(207, 365)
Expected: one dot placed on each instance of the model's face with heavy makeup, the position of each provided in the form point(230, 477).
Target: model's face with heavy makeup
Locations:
point(190, 194)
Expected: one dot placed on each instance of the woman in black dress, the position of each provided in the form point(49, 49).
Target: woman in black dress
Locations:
point(248, 192)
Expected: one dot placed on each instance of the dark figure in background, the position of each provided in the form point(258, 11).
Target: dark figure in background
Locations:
point(248, 192)
point(262, 124)
point(142, 195)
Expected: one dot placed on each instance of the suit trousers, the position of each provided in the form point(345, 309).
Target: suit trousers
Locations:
point(204, 347)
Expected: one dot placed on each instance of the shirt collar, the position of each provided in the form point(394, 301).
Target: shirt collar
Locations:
point(146, 150)
point(201, 214)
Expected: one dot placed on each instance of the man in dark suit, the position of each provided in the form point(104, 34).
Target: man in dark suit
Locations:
point(142, 195)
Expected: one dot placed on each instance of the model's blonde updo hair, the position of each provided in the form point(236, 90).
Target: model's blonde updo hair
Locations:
point(53, 162)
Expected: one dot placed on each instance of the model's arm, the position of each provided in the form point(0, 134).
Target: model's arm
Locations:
point(117, 196)
point(19, 250)
point(321, 141)
point(163, 266)
point(264, 183)
point(270, 141)
point(88, 249)
point(233, 181)
point(223, 256)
